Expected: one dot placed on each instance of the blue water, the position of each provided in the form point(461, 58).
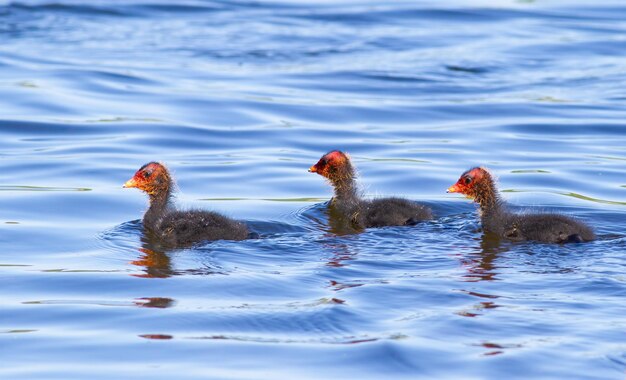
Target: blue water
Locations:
point(239, 98)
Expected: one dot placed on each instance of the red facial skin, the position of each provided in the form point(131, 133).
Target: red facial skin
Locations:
point(148, 178)
point(334, 159)
point(467, 183)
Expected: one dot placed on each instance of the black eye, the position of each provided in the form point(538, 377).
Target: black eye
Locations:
point(147, 173)
point(468, 180)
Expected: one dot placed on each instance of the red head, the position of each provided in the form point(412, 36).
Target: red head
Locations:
point(470, 183)
point(152, 178)
point(331, 164)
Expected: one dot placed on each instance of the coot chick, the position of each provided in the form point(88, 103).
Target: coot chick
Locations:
point(337, 168)
point(179, 227)
point(478, 184)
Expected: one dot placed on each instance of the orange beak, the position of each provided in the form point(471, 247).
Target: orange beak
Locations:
point(454, 189)
point(313, 169)
point(131, 183)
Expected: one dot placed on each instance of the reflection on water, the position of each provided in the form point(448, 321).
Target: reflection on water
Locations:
point(158, 302)
point(338, 223)
point(153, 302)
point(481, 266)
point(496, 348)
point(343, 340)
point(153, 258)
point(156, 264)
point(341, 253)
point(478, 309)
point(337, 286)
point(156, 336)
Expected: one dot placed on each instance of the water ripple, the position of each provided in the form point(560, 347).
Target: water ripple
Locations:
point(239, 99)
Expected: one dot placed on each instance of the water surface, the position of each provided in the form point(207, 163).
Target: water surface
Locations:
point(239, 98)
